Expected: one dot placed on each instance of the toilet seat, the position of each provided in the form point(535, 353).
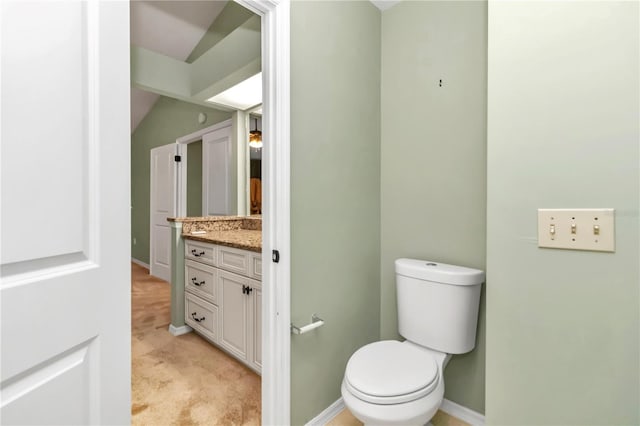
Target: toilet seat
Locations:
point(390, 372)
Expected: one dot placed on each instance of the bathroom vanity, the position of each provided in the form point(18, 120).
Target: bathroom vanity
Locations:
point(222, 284)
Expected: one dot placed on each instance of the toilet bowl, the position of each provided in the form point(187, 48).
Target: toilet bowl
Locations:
point(394, 383)
point(402, 383)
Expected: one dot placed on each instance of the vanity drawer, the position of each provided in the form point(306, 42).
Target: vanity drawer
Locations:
point(202, 316)
point(200, 280)
point(234, 260)
point(200, 252)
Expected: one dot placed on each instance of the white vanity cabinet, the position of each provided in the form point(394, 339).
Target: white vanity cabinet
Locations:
point(223, 298)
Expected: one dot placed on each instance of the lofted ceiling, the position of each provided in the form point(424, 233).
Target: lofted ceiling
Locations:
point(172, 28)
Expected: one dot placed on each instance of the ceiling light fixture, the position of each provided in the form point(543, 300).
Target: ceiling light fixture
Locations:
point(255, 137)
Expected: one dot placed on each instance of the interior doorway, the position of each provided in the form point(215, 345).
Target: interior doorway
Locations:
point(275, 208)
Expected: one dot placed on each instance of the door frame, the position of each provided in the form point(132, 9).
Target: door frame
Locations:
point(276, 291)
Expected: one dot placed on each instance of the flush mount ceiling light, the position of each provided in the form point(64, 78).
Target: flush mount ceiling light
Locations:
point(255, 137)
point(242, 96)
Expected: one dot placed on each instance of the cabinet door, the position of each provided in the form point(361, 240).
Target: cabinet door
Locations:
point(234, 308)
point(256, 360)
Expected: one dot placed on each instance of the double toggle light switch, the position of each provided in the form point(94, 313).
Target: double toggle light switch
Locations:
point(577, 229)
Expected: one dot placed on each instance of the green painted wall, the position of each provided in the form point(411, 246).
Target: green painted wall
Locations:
point(563, 132)
point(168, 120)
point(433, 191)
point(335, 193)
point(232, 16)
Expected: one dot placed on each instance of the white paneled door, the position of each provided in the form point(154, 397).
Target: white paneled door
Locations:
point(65, 213)
point(162, 205)
point(217, 185)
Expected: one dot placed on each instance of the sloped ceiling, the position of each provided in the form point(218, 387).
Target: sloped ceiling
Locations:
point(172, 28)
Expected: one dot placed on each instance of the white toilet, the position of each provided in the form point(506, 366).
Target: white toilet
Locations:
point(401, 383)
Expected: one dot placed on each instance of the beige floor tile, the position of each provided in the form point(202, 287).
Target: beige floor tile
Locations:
point(345, 418)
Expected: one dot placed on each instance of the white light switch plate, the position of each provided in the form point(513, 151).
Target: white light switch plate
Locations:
point(577, 229)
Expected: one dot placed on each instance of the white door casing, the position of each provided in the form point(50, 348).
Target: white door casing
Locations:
point(217, 166)
point(276, 285)
point(162, 204)
point(65, 217)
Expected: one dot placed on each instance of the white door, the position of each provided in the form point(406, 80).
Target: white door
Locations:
point(65, 287)
point(162, 205)
point(217, 168)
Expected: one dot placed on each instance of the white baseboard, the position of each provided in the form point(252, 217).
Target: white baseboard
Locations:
point(328, 414)
point(177, 331)
point(139, 262)
point(463, 413)
point(451, 408)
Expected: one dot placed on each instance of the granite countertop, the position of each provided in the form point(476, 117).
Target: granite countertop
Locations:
point(242, 232)
point(245, 239)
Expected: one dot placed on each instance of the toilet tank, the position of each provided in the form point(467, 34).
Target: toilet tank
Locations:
point(438, 304)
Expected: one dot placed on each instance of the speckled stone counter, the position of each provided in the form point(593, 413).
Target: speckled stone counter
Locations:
point(232, 231)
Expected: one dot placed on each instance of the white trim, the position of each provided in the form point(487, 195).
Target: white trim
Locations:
point(140, 262)
point(181, 180)
point(276, 337)
point(178, 331)
point(328, 414)
point(197, 135)
point(462, 413)
point(451, 408)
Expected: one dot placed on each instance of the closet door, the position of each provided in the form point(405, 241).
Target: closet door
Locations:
point(217, 173)
point(65, 289)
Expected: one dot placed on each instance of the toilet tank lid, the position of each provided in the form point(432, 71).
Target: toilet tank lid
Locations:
point(439, 272)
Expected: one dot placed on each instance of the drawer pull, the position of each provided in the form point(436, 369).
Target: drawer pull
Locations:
point(196, 254)
point(193, 315)
point(194, 282)
point(246, 289)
